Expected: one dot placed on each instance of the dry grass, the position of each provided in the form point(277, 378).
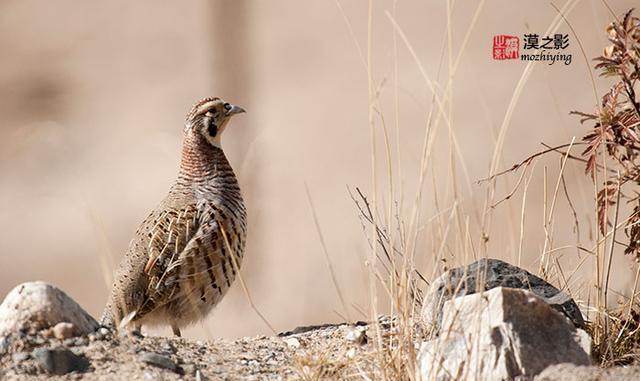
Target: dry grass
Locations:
point(392, 228)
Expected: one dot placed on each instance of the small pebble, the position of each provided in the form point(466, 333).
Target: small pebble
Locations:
point(63, 330)
point(20, 356)
point(189, 369)
point(356, 335)
point(135, 349)
point(69, 342)
point(4, 344)
point(75, 342)
point(60, 361)
point(292, 342)
point(158, 360)
point(168, 348)
point(200, 376)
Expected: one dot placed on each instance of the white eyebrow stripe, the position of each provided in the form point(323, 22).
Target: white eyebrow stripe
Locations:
point(206, 106)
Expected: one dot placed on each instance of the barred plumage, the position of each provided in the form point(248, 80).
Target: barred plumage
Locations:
point(179, 266)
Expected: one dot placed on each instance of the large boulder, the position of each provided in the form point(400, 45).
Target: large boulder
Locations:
point(486, 274)
point(35, 306)
point(501, 334)
point(571, 372)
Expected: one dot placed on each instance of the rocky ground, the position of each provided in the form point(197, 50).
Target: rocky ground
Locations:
point(520, 327)
point(331, 352)
point(323, 352)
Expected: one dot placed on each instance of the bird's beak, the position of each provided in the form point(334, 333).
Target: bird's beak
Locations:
point(235, 110)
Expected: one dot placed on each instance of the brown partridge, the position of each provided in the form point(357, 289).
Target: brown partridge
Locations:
point(184, 255)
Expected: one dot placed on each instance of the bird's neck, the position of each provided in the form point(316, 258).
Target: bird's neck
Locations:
point(201, 161)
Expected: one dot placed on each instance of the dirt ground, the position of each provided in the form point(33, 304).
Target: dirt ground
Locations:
point(323, 352)
point(319, 352)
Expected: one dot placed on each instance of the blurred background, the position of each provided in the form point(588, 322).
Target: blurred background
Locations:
point(93, 97)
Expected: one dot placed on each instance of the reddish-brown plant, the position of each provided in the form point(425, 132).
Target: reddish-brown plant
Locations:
point(616, 129)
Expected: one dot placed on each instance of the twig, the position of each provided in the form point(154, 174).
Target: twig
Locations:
point(515, 188)
point(244, 286)
point(326, 253)
point(528, 160)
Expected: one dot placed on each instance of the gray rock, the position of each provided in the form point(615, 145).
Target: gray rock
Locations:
point(20, 356)
point(158, 360)
point(501, 334)
point(486, 274)
point(570, 372)
point(60, 361)
point(35, 306)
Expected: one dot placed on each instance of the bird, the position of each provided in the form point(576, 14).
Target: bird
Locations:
point(185, 255)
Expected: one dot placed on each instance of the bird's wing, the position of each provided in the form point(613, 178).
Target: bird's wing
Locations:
point(167, 236)
point(191, 264)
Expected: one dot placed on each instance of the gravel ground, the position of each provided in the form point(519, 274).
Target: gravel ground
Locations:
point(328, 352)
point(323, 352)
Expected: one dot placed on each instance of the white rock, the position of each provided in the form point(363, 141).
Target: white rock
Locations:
point(356, 335)
point(63, 330)
point(34, 306)
point(351, 353)
point(292, 342)
point(499, 335)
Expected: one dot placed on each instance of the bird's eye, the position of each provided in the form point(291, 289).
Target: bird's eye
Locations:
point(227, 106)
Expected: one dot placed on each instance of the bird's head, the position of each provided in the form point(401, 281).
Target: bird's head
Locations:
point(210, 116)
